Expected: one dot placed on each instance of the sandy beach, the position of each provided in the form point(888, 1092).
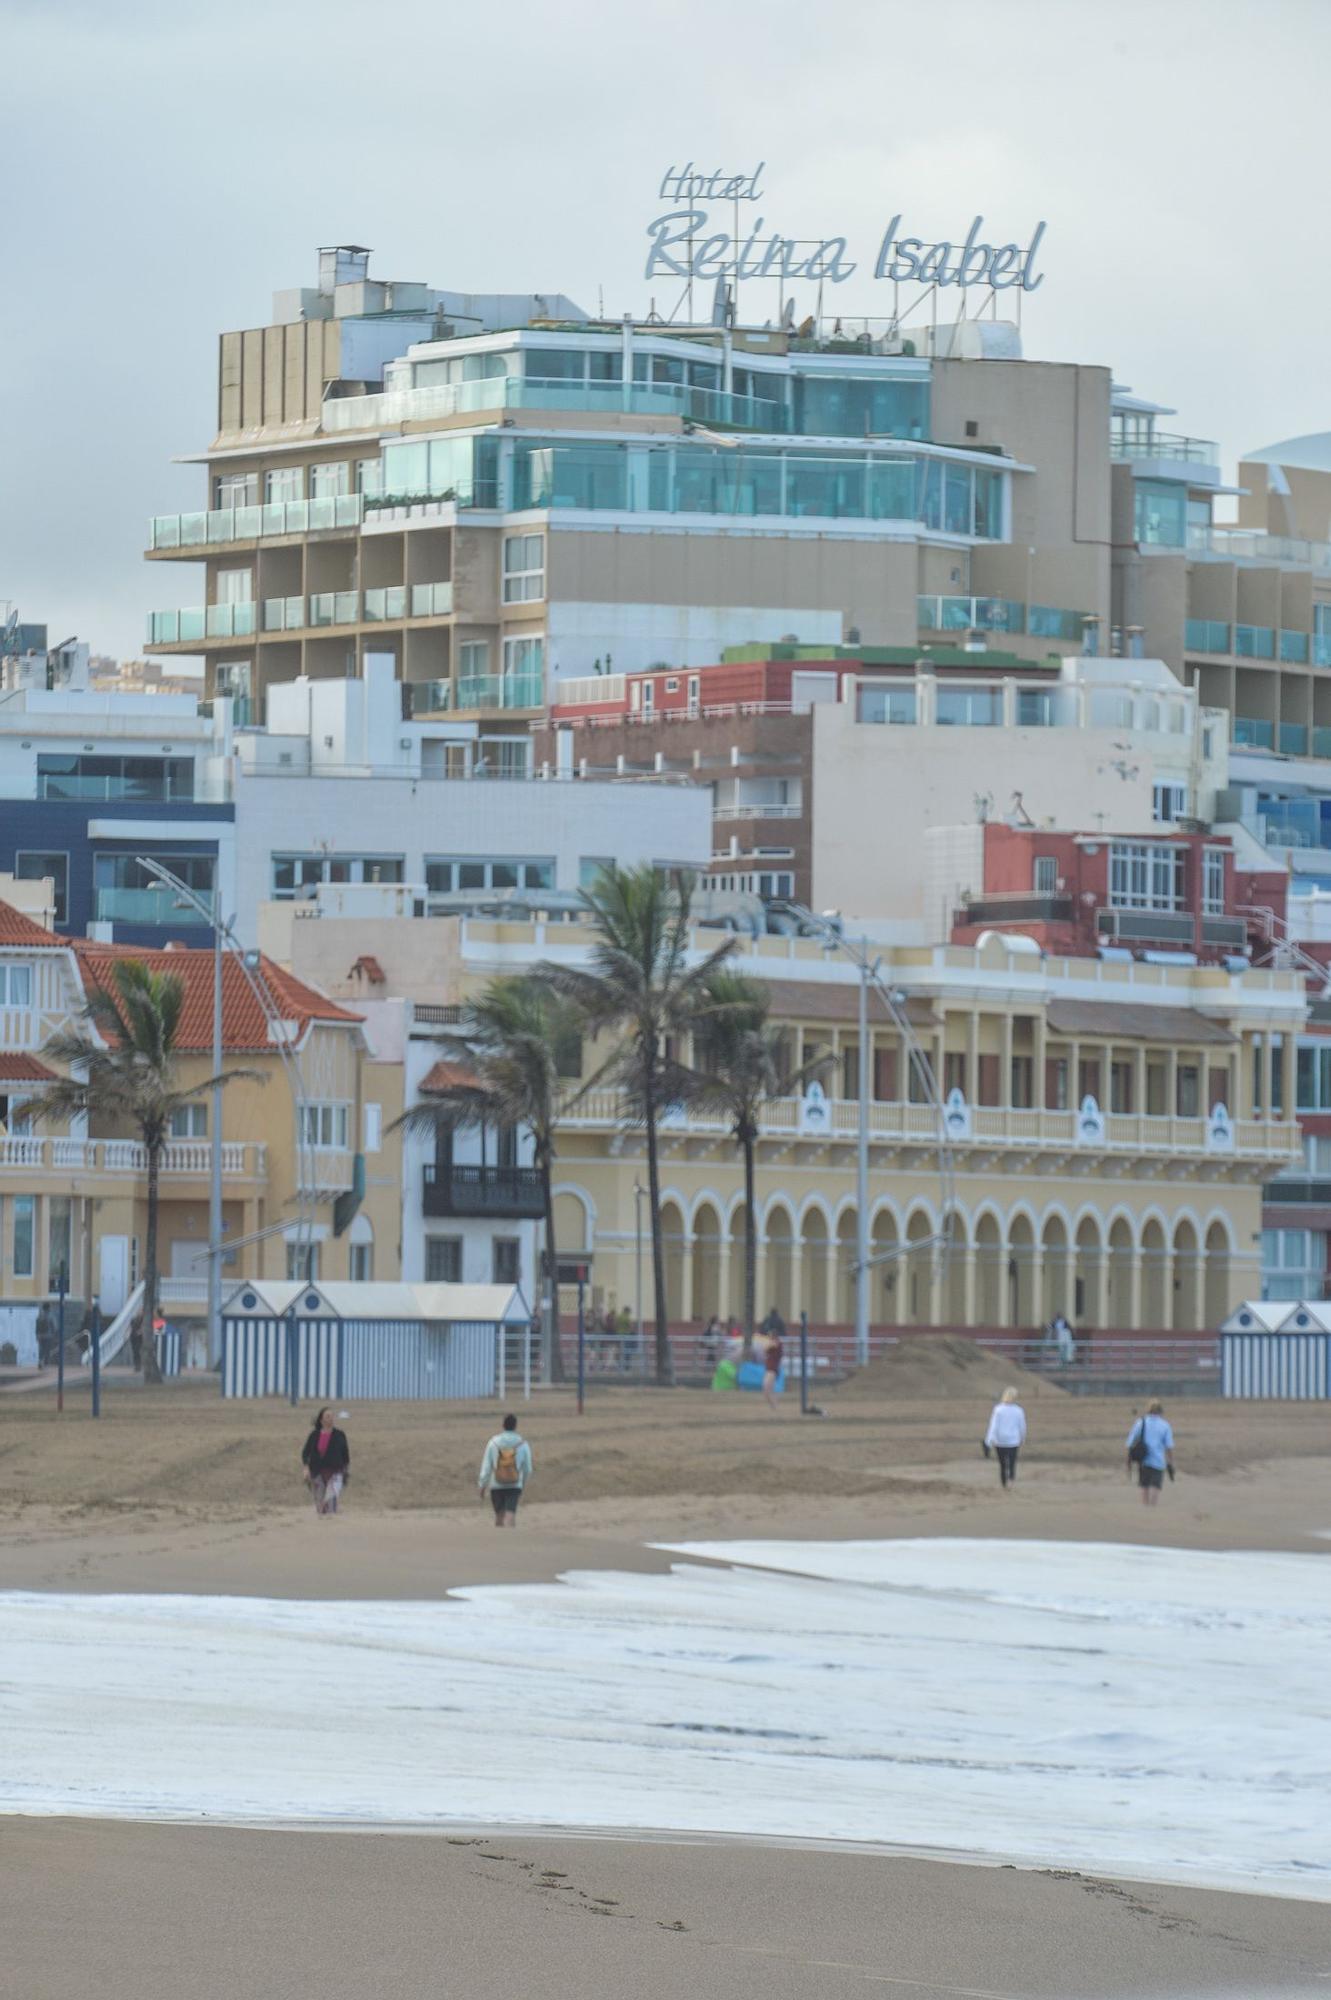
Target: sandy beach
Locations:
point(178, 1492)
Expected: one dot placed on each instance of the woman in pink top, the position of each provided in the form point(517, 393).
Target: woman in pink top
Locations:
point(327, 1463)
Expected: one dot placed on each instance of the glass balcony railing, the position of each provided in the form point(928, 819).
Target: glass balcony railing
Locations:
point(251, 524)
point(965, 614)
point(511, 392)
point(1321, 649)
point(203, 621)
point(1255, 642)
point(499, 691)
point(429, 697)
point(1226, 544)
point(157, 905)
point(387, 604)
point(431, 600)
point(1164, 445)
point(1045, 621)
point(1251, 733)
point(1206, 635)
point(284, 614)
point(1322, 742)
point(335, 607)
point(1293, 739)
point(1290, 823)
point(1294, 646)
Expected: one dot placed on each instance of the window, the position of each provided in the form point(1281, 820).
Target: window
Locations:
point(189, 1121)
point(85, 776)
point(34, 866)
point(1023, 1082)
point(1313, 1075)
point(446, 873)
point(326, 1125)
point(889, 705)
point(1144, 875)
point(1169, 802)
point(443, 1260)
point(506, 1254)
point(695, 686)
point(327, 482)
point(1161, 513)
point(24, 1208)
point(1213, 882)
point(1056, 1083)
point(1120, 1086)
point(15, 986)
point(473, 658)
point(302, 1261)
point(360, 1263)
point(1046, 874)
point(648, 697)
point(370, 477)
point(59, 1239)
point(300, 874)
point(524, 569)
point(524, 661)
point(234, 586)
point(286, 483)
point(1188, 1091)
point(1293, 1263)
point(372, 1128)
point(236, 489)
point(972, 708)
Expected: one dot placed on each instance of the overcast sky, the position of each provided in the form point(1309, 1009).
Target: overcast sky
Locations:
point(169, 167)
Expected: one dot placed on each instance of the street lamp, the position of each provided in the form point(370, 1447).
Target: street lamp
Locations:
point(639, 1194)
point(827, 927)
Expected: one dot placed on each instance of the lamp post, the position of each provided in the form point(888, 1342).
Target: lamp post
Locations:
point(638, 1193)
point(215, 1150)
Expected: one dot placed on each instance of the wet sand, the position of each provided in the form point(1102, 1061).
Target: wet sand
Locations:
point(180, 1492)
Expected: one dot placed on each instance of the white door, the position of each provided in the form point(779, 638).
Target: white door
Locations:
point(189, 1262)
point(112, 1275)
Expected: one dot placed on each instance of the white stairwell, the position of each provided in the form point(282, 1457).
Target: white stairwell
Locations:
point(116, 1334)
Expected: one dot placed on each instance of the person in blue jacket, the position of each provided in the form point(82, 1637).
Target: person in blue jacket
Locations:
point(1151, 1450)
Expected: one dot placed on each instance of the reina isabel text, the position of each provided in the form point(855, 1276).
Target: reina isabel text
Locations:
point(683, 244)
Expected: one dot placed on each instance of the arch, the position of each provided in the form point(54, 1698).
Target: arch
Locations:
point(846, 1250)
point(989, 1286)
point(574, 1220)
point(706, 1259)
point(732, 1301)
point(674, 1245)
point(1155, 1285)
point(776, 1284)
point(1216, 1281)
point(1023, 1273)
point(919, 1275)
point(1088, 1273)
point(815, 1246)
point(886, 1287)
point(1121, 1269)
point(1187, 1273)
point(1055, 1268)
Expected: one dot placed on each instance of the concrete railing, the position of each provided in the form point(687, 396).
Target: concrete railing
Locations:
point(180, 1157)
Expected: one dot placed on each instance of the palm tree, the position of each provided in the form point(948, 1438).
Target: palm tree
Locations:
point(641, 982)
point(125, 1072)
point(512, 1046)
point(741, 1065)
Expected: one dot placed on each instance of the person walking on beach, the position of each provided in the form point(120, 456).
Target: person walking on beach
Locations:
point(327, 1462)
point(505, 1470)
point(1006, 1435)
point(1151, 1450)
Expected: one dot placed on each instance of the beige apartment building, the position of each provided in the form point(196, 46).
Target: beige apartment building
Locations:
point(308, 1159)
point(1109, 1128)
point(502, 494)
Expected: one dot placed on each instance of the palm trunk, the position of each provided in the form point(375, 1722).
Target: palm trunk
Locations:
point(554, 1355)
point(151, 1371)
point(664, 1365)
point(750, 1241)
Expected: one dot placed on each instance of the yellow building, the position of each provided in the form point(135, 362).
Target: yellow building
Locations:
point(1111, 1123)
point(293, 1130)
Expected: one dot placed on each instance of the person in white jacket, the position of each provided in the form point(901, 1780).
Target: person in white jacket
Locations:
point(1006, 1435)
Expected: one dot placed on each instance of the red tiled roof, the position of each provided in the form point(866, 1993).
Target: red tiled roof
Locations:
point(15, 928)
point(449, 1076)
point(244, 1026)
point(372, 969)
point(24, 1069)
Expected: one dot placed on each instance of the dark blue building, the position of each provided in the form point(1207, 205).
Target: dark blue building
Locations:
point(78, 842)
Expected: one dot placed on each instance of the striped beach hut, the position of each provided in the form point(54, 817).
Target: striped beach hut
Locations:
point(1277, 1350)
point(380, 1342)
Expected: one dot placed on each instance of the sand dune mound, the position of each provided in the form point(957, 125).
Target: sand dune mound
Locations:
point(946, 1368)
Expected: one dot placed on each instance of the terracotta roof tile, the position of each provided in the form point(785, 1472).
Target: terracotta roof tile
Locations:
point(15, 928)
point(371, 968)
point(449, 1076)
point(244, 1027)
point(24, 1069)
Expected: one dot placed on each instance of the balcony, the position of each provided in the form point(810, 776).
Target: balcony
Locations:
point(257, 523)
point(182, 1159)
point(512, 1192)
point(1255, 642)
point(1030, 906)
point(428, 697)
point(1165, 927)
point(1294, 647)
point(389, 605)
point(204, 621)
point(1250, 545)
point(431, 600)
point(1252, 733)
point(155, 905)
point(688, 402)
point(499, 691)
point(965, 614)
point(1206, 635)
point(1124, 446)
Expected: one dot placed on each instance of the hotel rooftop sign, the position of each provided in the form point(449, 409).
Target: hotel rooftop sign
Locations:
point(686, 242)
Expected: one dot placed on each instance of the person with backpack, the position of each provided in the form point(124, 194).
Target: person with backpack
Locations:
point(1006, 1435)
point(1151, 1450)
point(505, 1470)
